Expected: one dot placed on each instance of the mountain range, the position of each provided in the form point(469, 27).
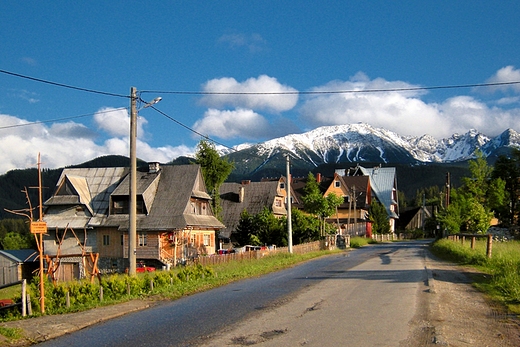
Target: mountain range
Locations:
point(357, 143)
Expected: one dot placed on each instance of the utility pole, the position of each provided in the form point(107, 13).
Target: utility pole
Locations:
point(40, 246)
point(132, 227)
point(289, 217)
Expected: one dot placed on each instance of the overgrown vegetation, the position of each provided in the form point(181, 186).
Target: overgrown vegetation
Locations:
point(503, 269)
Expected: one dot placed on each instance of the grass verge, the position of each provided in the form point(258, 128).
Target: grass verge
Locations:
point(501, 280)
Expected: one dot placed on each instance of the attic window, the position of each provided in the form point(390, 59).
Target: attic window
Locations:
point(120, 205)
point(337, 184)
point(282, 185)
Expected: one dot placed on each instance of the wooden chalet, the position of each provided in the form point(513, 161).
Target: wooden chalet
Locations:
point(352, 215)
point(251, 197)
point(88, 214)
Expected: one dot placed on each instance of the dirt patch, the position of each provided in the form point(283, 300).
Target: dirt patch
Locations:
point(459, 315)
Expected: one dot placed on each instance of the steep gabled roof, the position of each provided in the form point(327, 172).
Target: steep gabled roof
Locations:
point(166, 194)
point(176, 186)
point(89, 187)
point(383, 183)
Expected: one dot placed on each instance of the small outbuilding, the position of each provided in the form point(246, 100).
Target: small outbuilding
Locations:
point(18, 264)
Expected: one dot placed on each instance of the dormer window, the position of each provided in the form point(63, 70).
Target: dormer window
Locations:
point(199, 207)
point(121, 205)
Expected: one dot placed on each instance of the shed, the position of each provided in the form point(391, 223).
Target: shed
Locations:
point(17, 264)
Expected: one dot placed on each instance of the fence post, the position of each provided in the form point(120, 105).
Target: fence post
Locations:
point(100, 293)
point(489, 245)
point(24, 298)
point(473, 242)
point(67, 299)
point(29, 305)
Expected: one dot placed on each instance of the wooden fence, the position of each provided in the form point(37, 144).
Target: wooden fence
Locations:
point(248, 255)
point(473, 237)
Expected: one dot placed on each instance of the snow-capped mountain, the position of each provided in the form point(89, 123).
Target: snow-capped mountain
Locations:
point(363, 143)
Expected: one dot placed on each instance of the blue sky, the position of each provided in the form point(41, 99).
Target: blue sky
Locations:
point(179, 49)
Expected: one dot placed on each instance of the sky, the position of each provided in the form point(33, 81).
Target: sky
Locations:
point(247, 71)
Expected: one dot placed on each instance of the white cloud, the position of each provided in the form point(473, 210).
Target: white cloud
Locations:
point(63, 144)
point(226, 124)
point(403, 112)
point(238, 99)
point(506, 74)
point(116, 121)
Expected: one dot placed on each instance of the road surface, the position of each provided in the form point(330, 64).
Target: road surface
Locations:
point(365, 297)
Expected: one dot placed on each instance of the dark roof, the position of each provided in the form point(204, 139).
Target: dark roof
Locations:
point(20, 255)
point(257, 195)
point(166, 194)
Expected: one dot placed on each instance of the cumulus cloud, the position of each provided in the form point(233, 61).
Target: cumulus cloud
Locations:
point(238, 97)
point(228, 124)
point(116, 121)
point(403, 112)
point(506, 74)
point(62, 144)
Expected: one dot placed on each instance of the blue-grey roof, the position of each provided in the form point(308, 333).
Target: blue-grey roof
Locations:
point(20, 255)
point(383, 183)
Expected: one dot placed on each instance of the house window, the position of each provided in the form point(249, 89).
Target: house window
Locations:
point(207, 240)
point(121, 205)
point(143, 239)
point(282, 185)
point(278, 203)
point(106, 240)
point(199, 207)
point(337, 184)
point(122, 239)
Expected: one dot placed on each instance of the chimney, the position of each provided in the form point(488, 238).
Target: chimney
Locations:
point(241, 193)
point(153, 167)
point(246, 182)
point(318, 177)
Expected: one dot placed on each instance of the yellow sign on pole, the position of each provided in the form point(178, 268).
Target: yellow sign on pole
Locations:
point(38, 227)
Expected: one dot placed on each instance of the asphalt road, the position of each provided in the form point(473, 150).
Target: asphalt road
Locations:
point(365, 297)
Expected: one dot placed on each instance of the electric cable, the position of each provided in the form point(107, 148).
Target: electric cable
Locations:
point(63, 85)
point(352, 91)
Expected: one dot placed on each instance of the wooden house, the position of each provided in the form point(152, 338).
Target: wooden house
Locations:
point(252, 197)
point(88, 214)
point(351, 216)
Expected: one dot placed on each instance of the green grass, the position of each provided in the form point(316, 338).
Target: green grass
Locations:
point(11, 333)
point(357, 241)
point(503, 269)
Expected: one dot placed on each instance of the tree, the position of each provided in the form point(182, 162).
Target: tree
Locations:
point(215, 171)
point(508, 169)
point(472, 205)
point(261, 229)
point(245, 229)
point(305, 228)
point(14, 240)
point(379, 218)
point(315, 203)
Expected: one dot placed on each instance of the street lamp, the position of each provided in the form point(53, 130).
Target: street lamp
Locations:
point(132, 213)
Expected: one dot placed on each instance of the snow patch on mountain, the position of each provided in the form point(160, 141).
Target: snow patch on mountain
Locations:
point(362, 142)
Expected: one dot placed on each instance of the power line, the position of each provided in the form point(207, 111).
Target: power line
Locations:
point(63, 85)
point(352, 91)
point(57, 119)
